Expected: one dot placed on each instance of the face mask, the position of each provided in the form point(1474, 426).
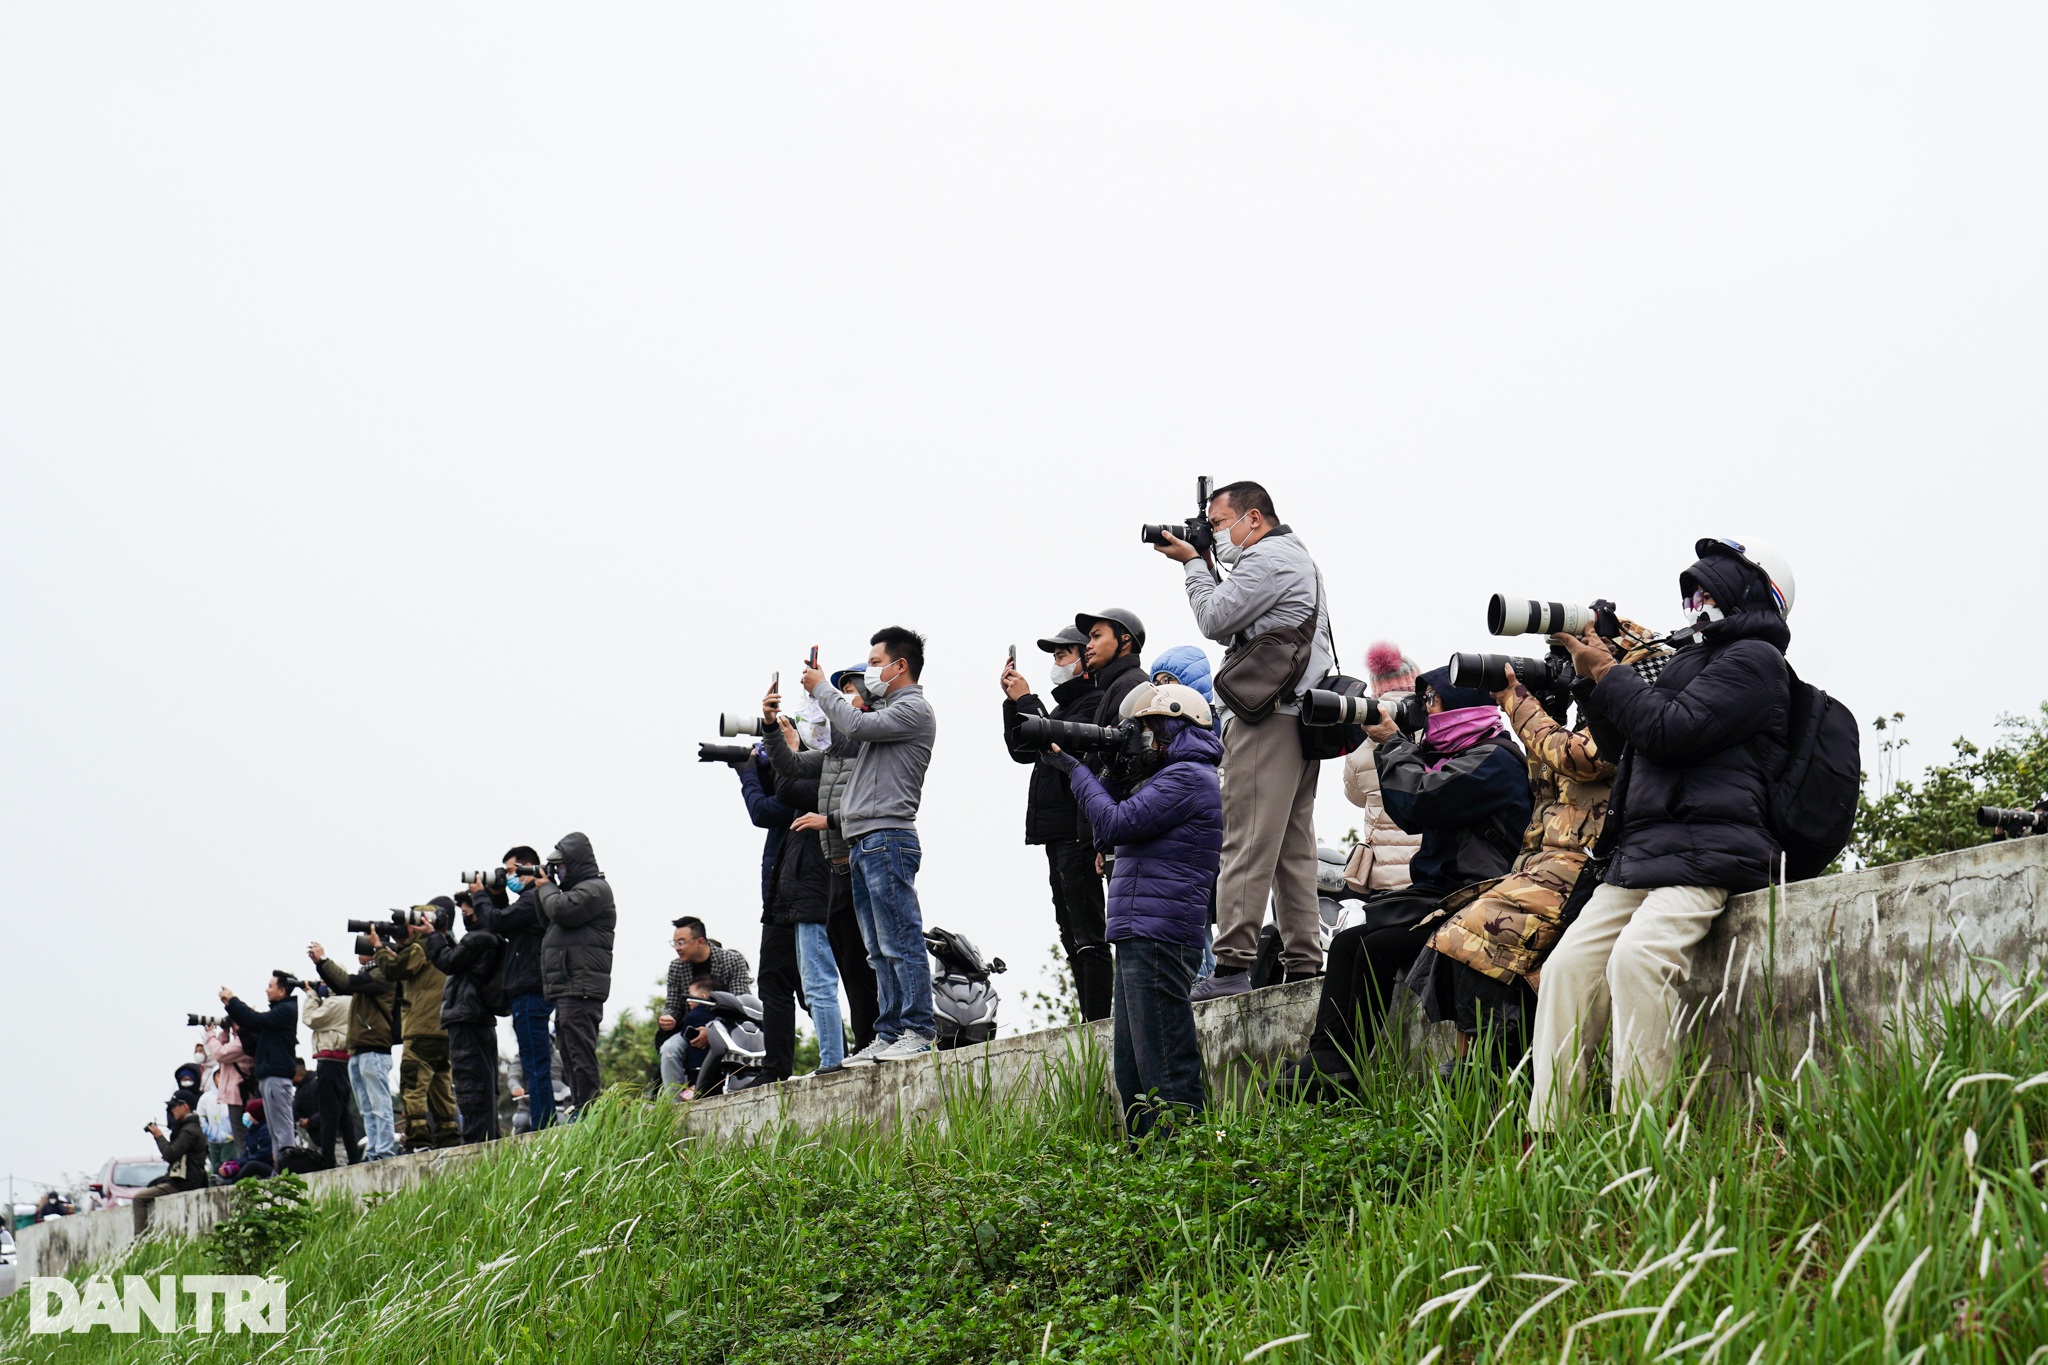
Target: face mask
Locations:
point(248, 1122)
point(1063, 674)
point(1697, 609)
point(871, 682)
point(514, 885)
point(1227, 550)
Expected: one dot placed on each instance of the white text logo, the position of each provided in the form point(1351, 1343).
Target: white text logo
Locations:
point(248, 1303)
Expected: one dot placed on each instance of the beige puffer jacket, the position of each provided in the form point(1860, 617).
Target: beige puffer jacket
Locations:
point(1380, 860)
point(328, 1020)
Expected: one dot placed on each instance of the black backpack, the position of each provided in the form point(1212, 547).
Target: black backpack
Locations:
point(1813, 800)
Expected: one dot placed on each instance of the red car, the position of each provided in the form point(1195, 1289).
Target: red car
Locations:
point(123, 1176)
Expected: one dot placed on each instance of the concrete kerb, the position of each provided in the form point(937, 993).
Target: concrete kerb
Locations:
point(1851, 952)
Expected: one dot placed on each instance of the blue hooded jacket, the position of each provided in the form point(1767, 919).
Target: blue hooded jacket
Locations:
point(1190, 665)
point(1168, 836)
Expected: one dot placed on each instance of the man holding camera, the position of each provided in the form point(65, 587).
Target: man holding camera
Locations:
point(879, 821)
point(326, 1013)
point(698, 958)
point(426, 1081)
point(275, 1032)
point(515, 919)
point(375, 1024)
point(184, 1147)
point(576, 956)
point(1269, 787)
point(472, 997)
point(1053, 818)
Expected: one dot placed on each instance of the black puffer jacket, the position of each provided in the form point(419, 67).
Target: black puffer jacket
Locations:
point(271, 1036)
point(799, 884)
point(1113, 682)
point(520, 929)
point(1703, 744)
point(473, 988)
point(1049, 810)
point(576, 954)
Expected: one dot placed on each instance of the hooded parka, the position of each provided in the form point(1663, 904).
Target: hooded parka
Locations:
point(576, 955)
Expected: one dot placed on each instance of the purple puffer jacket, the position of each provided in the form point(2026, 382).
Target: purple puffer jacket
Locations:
point(1168, 836)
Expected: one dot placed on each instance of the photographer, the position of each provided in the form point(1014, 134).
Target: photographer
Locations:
point(1464, 787)
point(426, 1082)
point(1269, 787)
point(472, 997)
point(1688, 824)
point(832, 763)
point(1052, 818)
point(521, 930)
point(184, 1148)
point(231, 1070)
point(879, 821)
point(375, 1015)
point(698, 958)
point(795, 913)
point(276, 1032)
point(326, 1014)
point(576, 957)
point(778, 959)
point(1113, 658)
point(1379, 861)
point(1168, 836)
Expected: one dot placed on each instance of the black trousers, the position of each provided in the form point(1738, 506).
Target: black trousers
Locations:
point(777, 979)
point(473, 1053)
point(1361, 975)
point(1078, 908)
point(850, 951)
point(336, 1119)
point(576, 1034)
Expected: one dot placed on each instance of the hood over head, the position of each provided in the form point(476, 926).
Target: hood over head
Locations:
point(1743, 593)
point(579, 860)
point(1438, 680)
point(1190, 664)
point(1187, 742)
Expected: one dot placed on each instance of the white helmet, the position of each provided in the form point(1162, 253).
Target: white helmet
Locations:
point(1166, 699)
point(1761, 558)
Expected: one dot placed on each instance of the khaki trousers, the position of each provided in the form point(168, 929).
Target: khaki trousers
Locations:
point(1624, 956)
point(1269, 845)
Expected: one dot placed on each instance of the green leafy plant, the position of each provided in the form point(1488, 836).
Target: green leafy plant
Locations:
point(1938, 813)
point(626, 1055)
point(267, 1219)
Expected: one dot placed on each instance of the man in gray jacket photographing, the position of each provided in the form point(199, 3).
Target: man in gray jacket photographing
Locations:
point(1269, 787)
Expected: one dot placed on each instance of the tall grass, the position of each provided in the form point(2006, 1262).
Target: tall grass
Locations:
point(1888, 1207)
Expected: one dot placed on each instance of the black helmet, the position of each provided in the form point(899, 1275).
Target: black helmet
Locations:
point(1126, 621)
point(1066, 637)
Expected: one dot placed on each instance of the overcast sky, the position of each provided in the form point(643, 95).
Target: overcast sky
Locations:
point(419, 423)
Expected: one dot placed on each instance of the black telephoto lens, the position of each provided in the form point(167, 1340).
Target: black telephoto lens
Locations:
point(1072, 736)
point(363, 926)
point(2012, 821)
point(364, 946)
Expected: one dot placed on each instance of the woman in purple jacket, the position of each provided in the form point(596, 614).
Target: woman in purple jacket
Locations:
point(1168, 837)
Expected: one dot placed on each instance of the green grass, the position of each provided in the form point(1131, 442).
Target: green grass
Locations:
point(1888, 1207)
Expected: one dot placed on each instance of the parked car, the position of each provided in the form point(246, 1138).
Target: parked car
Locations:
point(8, 1267)
point(123, 1176)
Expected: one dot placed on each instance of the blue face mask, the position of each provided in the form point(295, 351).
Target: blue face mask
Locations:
point(514, 885)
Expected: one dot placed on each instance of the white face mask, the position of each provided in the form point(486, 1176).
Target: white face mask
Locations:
point(1698, 611)
point(1229, 551)
point(871, 682)
point(1062, 674)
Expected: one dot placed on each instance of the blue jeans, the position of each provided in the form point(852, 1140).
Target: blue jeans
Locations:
point(885, 863)
point(1157, 1057)
point(369, 1076)
point(820, 975)
point(679, 1060)
point(536, 1066)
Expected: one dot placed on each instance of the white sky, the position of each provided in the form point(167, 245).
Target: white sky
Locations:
point(419, 424)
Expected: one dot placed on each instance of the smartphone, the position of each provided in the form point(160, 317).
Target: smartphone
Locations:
point(1013, 658)
point(775, 681)
point(814, 656)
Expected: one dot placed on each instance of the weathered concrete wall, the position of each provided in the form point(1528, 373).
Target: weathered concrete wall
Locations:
point(1881, 937)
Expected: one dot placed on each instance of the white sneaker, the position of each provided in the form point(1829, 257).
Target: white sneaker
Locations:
point(903, 1049)
point(866, 1056)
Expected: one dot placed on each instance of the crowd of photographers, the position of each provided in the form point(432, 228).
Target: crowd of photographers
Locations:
point(535, 944)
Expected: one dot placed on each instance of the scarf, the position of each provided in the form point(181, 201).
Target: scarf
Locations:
point(1450, 733)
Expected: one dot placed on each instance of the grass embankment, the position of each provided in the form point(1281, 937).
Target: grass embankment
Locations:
point(1890, 1210)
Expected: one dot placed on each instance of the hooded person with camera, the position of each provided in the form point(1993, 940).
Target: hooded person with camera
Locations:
point(276, 1035)
point(1274, 595)
point(576, 956)
point(426, 1081)
point(515, 918)
point(184, 1148)
point(1688, 824)
point(1053, 819)
point(472, 998)
point(1168, 837)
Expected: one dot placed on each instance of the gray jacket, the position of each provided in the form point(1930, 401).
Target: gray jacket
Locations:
point(834, 770)
point(1273, 584)
point(896, 748)
point(576, 953)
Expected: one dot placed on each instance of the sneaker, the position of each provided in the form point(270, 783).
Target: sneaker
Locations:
point(829, 1070)
point(866, 1056)
point(1218, 986)
point(903, 1049)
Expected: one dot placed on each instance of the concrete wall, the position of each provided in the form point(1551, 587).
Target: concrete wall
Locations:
point(1880, 937)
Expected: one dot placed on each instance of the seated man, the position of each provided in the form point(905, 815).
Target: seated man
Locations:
point(1464, 787)
point(1168, 839)
point(682, 1018)
point(184, 1148)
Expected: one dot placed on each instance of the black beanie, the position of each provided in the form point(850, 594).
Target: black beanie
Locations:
point(1438, 680)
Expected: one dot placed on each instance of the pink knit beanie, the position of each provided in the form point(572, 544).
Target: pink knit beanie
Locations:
point(1388, 669)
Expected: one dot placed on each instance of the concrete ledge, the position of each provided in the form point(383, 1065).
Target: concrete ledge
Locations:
point(1865, 945)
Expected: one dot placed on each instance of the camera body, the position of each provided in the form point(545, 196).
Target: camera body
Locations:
point(733, 754)
point(1195, 530)
point(364, 947)
point(1527, 616)
point(204, 1021)
point(732, 723)
point(2013, 824)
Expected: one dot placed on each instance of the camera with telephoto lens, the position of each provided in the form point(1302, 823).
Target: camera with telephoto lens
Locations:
point(492, 878)
point(366, 946)
point(1526, 616)
point(1548, 677)
point(1078, 737)
point(203, 1021)
point(290, 983)
point(1195, 530)
point(731, 723)
point(1320, 708)
point(2013, 823)
point(733, 754)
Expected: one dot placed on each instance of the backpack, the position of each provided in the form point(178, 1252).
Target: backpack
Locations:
point(1813, 798)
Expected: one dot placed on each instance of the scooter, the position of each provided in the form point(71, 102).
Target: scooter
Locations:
point(964, 1001)
point(735, 1048)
